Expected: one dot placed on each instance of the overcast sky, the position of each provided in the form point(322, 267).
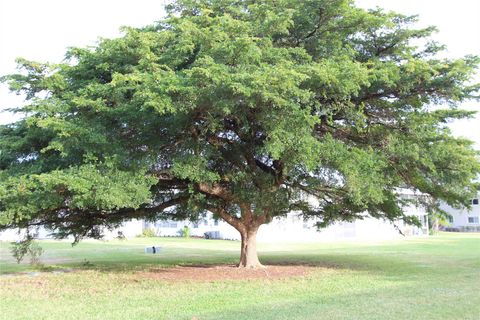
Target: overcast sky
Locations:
point(42, 30)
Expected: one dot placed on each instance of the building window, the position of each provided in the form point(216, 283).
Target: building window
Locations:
point(450, 219)
point(475, 202)
point(472, 219)
point(166, 224)
point(215, 223)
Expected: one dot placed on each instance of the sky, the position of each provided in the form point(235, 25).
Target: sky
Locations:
point(42, 30)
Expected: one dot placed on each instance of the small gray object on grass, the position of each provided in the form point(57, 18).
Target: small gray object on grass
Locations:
point(152, 249)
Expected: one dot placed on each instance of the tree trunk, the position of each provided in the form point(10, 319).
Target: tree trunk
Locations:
point(247, 226)
point(435, 224)
point(248, 252)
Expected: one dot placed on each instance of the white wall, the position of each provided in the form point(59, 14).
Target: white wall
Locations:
point(295, 229)
point(14, 234)
point(173, 228)
point(129, 229)
point(291, 228)
point(460, 216)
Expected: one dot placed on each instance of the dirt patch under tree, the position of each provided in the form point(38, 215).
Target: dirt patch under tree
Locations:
point(226, 272)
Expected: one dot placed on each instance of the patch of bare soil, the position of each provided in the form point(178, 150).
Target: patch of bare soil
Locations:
point(226, 272)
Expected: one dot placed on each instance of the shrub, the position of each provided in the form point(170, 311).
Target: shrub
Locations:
point(186, 232)
point(20, 249)
point(27, 247)
point(148, 233)
point(35, 251)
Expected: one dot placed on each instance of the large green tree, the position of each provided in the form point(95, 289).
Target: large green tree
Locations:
point(247, 109)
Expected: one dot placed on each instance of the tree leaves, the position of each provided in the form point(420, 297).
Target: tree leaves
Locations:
point(233, 105)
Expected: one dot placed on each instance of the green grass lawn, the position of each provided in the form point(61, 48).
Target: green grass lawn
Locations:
point(428, 278)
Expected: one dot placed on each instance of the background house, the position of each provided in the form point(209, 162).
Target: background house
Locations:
point(291, 228)
point(465, 219)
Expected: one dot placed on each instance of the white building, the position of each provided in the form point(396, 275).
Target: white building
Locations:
point(465, 219)
point(291, 228)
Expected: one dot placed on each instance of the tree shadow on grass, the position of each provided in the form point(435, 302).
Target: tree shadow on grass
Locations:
point(367, 263)
point(133, 261)
point(384, 265)
point(394, 268)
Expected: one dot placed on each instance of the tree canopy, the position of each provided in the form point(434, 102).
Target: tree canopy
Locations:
point(247, 109)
